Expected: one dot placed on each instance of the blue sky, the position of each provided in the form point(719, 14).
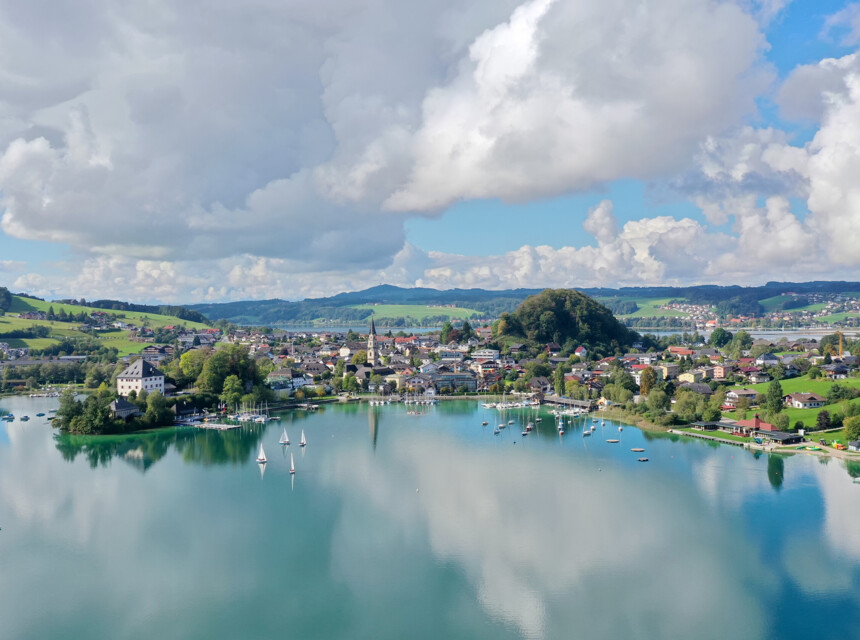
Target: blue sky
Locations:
point(180, 154)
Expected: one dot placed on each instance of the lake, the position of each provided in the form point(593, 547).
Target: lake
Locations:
point(419, 526)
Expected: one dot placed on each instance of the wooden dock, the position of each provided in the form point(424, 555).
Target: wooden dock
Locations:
point(217, 426)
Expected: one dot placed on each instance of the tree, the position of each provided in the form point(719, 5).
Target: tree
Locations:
point(823, 420)
point(69, 409)
point(773, 401)
point(780, 421)
point(720, 338)
point(647, 380)
point(657, 400)
point(814, 373)
point(157, 413)
point(232, 391)
point(445, 334)
point(711, 414)
point(743, 406)
point(360, 357)
point(466, 331)
point(558, 380)
point(852, 428)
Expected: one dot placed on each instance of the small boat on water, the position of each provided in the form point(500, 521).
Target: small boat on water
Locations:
point(292, 464)
point(502, 425)
point(40, 415)
point(484, 423)
point(285, 439)
point(586, 433)
point(530, 426)
point(620, 428)
point(561, 432)
point(510, 421)
point(25, 418)
point(524, 433)
point(637, 449)
point(612, 441)
point(261, 457)
point(496, 432)
point(303, 442)
point(642, 459)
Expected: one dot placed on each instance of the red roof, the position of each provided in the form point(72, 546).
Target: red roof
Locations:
point(757, 424)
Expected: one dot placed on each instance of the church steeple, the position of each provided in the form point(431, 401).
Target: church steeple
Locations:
point(372, 358)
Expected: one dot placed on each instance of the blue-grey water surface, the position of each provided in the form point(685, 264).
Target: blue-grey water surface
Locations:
point(399, 525)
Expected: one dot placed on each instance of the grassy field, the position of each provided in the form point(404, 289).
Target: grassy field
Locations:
point(153, 320)
point(802, 384)
point(807, 416)
point(417, 311)
point(649, 308)
point(838, 317)
point(772, 304)
point(118, 339)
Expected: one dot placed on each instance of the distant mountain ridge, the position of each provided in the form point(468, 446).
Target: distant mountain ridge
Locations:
point(340, 307)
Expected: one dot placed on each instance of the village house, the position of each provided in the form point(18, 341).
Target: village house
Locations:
point(804, 400)
point(734, 396)
point(139, 376)
point(122, 409)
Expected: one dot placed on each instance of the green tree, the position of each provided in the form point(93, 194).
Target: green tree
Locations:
point(773, 401)
point(466, 331)
point(814, 373)
point(360, 357)
point(720, 338)
point(647, 380)
point(743, 406)
point(69, 409)
point(657, 401)
point(823, 420)
point(780, 421)
point(558, 380)
point(852, 428)
point(445, 334)
point(711, 414)
point(232, 391)
point(157, 412)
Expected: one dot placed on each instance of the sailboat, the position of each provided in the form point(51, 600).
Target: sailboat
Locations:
point(261, 457)
point(285, 439)
point(292, 464)
point(303, 442)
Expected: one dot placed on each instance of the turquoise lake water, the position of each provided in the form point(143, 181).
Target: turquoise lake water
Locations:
point(419, 526)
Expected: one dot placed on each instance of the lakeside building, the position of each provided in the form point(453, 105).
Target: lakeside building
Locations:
point(139, 376)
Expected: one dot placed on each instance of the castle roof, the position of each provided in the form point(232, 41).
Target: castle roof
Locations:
point(140, 369)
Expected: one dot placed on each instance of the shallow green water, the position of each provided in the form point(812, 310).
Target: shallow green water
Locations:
point(418, 526)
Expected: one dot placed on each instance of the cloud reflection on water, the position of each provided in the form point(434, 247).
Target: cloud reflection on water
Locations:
point(549, 546)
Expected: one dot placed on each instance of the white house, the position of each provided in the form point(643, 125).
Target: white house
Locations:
point(139, 376)
point(804, 400)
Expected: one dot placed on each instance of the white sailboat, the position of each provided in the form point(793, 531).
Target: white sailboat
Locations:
point(261, 457)
point(285, 439)
point(303, 442)
point(292, 464)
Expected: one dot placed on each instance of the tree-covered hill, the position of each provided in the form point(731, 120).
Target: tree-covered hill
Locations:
point(567, 317)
